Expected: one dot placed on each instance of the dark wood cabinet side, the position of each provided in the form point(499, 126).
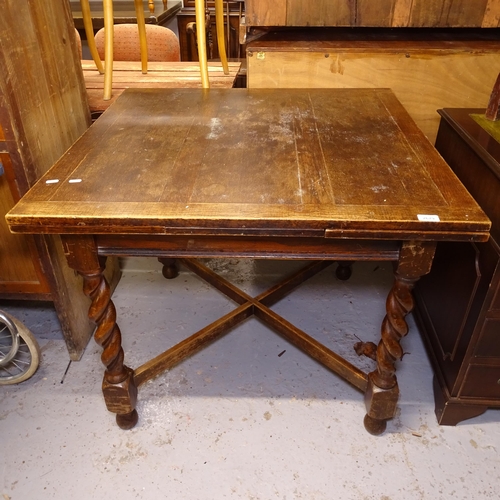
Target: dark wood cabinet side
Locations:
point(457, 310)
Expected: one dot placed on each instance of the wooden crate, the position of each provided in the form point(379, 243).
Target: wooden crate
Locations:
point(374, 13)
point(426, 70)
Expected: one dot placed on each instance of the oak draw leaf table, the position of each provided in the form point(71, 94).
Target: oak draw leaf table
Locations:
point(323, 175)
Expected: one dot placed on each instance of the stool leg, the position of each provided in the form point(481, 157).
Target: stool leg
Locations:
point(141, 24)
point(108, 48)
point(202, 45)
point(89, 32)
point(219, 22)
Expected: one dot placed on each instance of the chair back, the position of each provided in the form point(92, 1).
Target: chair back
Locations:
point(78, 39)
point(163, 44)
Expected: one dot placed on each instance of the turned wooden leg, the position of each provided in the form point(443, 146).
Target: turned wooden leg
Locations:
point(118, 386)
point(382, 394)
point(170, 269)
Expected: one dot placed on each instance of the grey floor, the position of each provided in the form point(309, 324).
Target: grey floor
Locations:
point(250, 417)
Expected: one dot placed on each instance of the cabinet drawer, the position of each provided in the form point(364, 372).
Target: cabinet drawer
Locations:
point(481, 382)
point(488, 345)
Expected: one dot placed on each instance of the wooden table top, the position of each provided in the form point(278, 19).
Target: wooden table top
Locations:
point(340, 163)
point(128, 74)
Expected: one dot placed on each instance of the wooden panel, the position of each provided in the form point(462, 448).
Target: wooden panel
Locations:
point(17, 270)
point(437, 13)
point(266, 12)
point(374, 13)
point(416, 76)
point(482, 382)
point(491, 17)
point(43, 110)
point(39, 61)
point(381, 13)
point(321, 13)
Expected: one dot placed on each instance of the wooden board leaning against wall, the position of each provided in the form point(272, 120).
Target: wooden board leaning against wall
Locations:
point(427, 70)
point(43, 110)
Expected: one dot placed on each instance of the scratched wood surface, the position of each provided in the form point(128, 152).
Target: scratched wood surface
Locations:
point(336, 163)
point(426, 71)
point(375, 13)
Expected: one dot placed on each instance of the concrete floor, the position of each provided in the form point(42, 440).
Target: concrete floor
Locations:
point(250, 417)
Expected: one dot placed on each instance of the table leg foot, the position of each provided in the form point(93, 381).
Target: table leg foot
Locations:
point(121, 398)
point(170, 269)
point(128, 420)
point(374, 426)
point(344, 271)
point(380, 406)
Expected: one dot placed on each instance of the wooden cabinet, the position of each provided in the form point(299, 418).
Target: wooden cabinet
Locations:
point(187, 31)
point(374, 13)
point(43, 110)
point(458, 303)
point(426, 69)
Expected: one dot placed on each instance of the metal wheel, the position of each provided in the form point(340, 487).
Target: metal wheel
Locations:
point(19, 351)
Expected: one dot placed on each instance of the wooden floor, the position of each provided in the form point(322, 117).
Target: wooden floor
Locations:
point(127, 74)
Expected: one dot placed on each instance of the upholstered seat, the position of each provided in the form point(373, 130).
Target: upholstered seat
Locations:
point(162, 43)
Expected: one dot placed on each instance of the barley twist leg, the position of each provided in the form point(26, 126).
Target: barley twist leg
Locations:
point(383, 391)
point(120, 392)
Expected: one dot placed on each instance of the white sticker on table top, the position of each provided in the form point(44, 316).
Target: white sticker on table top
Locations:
point(428, 218)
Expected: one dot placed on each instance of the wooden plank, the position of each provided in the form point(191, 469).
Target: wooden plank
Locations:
point(43, 110)
point(401, 13)
point(265, 12)
point(447, 13)
point(17, 270)
point(321, 13)
point(374, 13)
point(378, 13)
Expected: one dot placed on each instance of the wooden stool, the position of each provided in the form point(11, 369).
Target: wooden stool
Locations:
point(201, 39)
point(108, 47)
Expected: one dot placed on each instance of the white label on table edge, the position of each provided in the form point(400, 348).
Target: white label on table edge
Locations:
point(428, 218)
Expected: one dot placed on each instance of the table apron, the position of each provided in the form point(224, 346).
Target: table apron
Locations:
point(247, 247)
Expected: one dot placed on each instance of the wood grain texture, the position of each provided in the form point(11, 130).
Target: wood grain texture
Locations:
point(415, 70)
point(491, 17)
point(43, 110)
point(451, 13)
point(256, 160)
point(331, 13)
point(160, 75)
point(266, 12)
point(371, 13)
point(17, 271)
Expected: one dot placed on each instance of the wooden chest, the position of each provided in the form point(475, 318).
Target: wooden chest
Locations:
point(375, 13)
point(427, 70)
